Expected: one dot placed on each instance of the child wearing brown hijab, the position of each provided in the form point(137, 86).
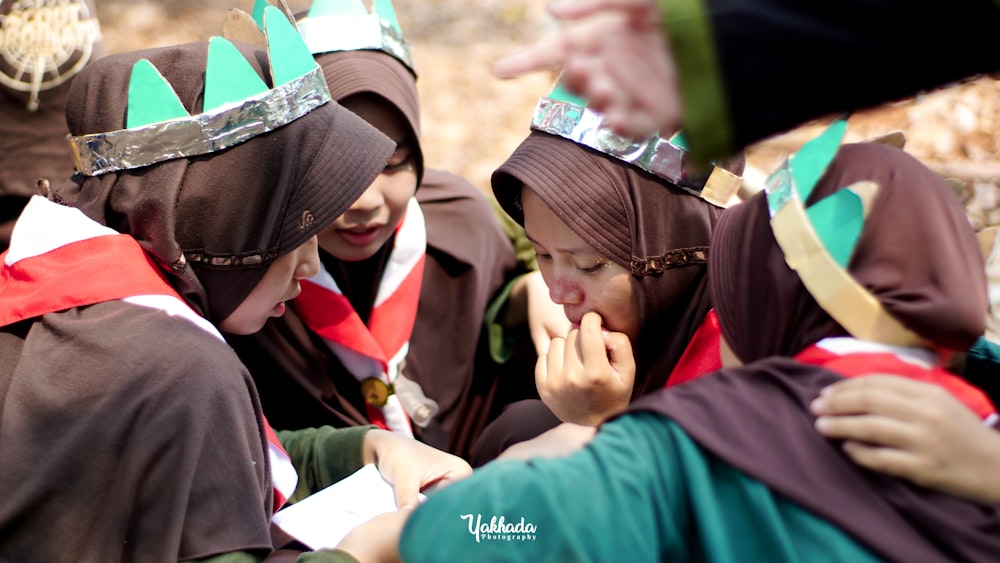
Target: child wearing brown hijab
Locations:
point(621, 229)
point(391, 330)
point(729, 466)
point(130, 430)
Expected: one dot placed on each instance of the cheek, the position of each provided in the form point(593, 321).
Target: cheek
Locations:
point(619, 300)
point(398, 190)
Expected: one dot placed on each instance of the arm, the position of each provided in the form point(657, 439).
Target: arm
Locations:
point(748, 69)
point(325, 455)
point(913, 430)
point(559, 500)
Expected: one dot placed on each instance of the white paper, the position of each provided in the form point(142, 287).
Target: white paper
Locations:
point(325, 517)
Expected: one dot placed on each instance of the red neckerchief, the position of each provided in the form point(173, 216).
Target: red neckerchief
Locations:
point(701, 355)
point(66, 277)
point(854, 364)
point(96, 270)
point(385, 340)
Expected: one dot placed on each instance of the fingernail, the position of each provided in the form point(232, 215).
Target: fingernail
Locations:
point(817, 404)
point(822, 423)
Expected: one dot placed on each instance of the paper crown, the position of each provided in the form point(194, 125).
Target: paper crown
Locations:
point(564, 114)
point(818, 241)
point(238, 105)
point(347, 25)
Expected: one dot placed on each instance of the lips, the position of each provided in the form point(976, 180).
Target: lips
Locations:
point(362, 235)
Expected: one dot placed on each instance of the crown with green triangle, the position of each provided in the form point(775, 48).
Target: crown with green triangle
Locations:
point(347, 25)
point(818, 241)
point(567, 115)
point(237, 104)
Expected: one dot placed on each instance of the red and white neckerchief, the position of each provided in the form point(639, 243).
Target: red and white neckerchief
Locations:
point(376, 350)
point(702, 354)
point(851, 357)
point(50, 267)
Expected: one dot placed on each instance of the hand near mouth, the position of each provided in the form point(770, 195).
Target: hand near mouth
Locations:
point(588, 375)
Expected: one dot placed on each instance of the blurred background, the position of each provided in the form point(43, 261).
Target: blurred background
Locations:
point(472, 121)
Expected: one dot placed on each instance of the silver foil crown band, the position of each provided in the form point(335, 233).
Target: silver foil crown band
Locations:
point(100, 153)
point(655, 155)
point(327, 34)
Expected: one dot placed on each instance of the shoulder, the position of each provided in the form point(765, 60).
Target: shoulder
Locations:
point(460, 220)
point(162, 352)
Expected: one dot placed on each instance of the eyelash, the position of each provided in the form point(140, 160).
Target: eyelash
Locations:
point(591, 270)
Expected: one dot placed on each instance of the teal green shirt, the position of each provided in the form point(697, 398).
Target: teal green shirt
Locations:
point(641, 491)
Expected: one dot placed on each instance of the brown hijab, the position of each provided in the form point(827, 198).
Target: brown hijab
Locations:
point(373, 72)
point(630, 217)
point(215, 222)
point(917, 255)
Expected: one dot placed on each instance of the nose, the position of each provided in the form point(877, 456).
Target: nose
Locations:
point(563, 292)
point(309, 264)
point(370, 201)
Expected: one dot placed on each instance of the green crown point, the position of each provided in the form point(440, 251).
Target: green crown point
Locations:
point(351, 8)
point(150, 98)
point(561, 94)
point(810, 162)
point(838, 220)
point(386, 11)
point(290, 58)
point(229, 77)
point(679, 141)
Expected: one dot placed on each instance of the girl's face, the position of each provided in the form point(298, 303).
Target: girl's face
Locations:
point(579, 278)
point(370, 221)
point(279, 284)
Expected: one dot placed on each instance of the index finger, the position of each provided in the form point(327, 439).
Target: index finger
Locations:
point(644, 11)
point(592, 348)
point(878, 381)
point(546, 54)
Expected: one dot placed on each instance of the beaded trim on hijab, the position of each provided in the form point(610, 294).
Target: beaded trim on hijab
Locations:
point(564, 114)
point(673, 259)
point(238, 105)
point(818, 241)
point(347, 25)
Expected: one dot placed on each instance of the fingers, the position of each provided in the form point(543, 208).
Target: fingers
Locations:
point(577, 9)
point(406, 492)
point(900, 385)
point(550, 363)
point(590, 340)
point(888, 396)
point(871, 429)
point(548, 53)
point(621, 357)
point(899, 463)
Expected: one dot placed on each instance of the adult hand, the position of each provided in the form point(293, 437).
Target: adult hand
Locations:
point(377, 540)
point(546, 319)
point(588, 375)
point(559, 441)
point(614, 54)
point(914, 430)
point(411, 466)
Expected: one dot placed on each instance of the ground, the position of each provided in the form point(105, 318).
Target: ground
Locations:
point(472, 121)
